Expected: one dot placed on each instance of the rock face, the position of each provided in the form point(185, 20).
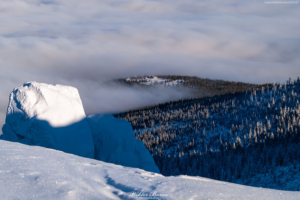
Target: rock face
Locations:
point(115, 143)
point(52, 116)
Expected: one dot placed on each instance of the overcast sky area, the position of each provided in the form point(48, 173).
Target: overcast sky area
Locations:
point(83, 43)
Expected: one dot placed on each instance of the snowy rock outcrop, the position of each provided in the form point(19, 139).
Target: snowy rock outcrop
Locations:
point(115, 143)
point(52, 116)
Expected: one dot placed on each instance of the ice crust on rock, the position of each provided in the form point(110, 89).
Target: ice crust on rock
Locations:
point(48, 115)
point(52, 116)
point(115, 143)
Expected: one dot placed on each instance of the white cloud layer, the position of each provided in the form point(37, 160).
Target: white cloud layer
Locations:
point(82, 43)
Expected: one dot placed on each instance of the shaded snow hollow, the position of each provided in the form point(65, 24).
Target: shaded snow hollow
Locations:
point(32, 172)
point(52, 116)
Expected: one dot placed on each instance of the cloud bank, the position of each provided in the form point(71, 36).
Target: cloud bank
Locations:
point(83, 43)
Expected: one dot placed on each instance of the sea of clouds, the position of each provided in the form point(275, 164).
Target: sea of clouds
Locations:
point(85, 43)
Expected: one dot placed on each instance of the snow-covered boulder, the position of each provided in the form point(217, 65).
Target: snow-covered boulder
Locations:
point(115, 143)
point(48, 115)
point(52, 116)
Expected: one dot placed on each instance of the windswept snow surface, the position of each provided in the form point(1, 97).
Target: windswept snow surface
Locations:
point(48, 115)
point(32, 172)
point(52, 116)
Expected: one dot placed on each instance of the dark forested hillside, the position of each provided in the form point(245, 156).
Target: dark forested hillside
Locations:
point(213, 87)
point(201, 87)
point(249, 137)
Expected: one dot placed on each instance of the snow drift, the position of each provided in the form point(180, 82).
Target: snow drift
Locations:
point(31, 172)
point(52, 116)
point(114, 143)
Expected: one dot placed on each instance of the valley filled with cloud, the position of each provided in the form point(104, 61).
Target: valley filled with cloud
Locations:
point(84, 43)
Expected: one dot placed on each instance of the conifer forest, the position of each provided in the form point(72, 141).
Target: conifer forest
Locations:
point(249, 137)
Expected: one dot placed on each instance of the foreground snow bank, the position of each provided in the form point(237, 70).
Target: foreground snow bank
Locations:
point(53, 116)
point(32, 172)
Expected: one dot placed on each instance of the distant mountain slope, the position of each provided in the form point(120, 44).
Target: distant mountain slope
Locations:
point(237, 137)
point(201, 87)
point(32, 172)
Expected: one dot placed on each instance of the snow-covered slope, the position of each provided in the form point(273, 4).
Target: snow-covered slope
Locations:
point(152, 80)
point(50, 116)
point(53, 116)
point(32, 172)
point(114, 143)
